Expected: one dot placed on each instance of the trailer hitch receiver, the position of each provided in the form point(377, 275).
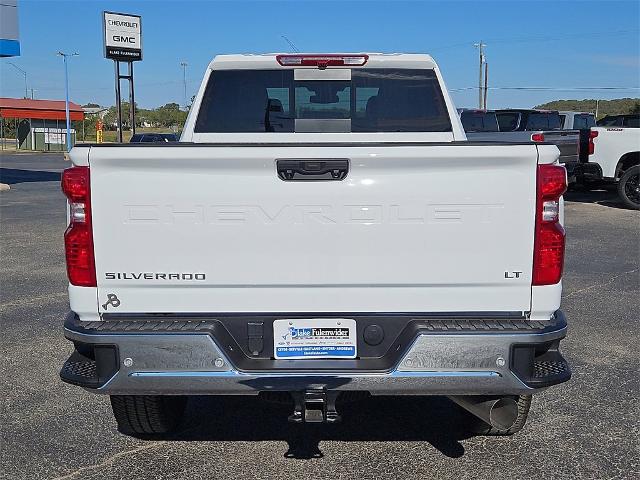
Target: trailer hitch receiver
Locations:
point(314, 405)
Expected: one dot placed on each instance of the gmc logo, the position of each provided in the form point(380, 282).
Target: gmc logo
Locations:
point(120, 38)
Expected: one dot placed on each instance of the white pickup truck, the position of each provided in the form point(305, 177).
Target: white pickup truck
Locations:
point(615, 152)
point(323, 227)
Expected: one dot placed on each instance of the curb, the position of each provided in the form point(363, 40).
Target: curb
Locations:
point(4, 186)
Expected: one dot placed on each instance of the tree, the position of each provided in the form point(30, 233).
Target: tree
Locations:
point(169, 115)
point(166, 116)
point(617, 106)
point(111, 117)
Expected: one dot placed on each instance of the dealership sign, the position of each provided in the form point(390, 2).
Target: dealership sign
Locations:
point(122, 36)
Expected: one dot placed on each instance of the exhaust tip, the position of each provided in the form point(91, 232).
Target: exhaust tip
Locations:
point(503, 413)
point(499, 412)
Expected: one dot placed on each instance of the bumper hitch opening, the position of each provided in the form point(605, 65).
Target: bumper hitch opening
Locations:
point(315, 405)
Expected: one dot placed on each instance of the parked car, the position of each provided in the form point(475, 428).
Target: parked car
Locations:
point(524, 126)
point(324, 227)
point(631, 120)
point(154, 137)
point(615, 153)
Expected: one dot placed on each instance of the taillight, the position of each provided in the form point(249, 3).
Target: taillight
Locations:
point(78, 238)
point(548, 255)
point(592, 146)
point(322, 61)
point(537, 137)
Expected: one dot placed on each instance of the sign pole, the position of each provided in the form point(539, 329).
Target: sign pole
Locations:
point(132, 101)
point(118, 106)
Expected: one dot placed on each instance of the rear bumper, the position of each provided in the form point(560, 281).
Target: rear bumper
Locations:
point(431, 355)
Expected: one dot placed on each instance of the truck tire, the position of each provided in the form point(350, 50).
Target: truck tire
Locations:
point(481, 428)
point(147, 414)
point(629, 187)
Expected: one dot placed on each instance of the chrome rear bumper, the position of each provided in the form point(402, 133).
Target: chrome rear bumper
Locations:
point(458, 362)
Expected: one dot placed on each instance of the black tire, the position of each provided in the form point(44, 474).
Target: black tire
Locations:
point(148, 414)
point(629, 187)
point(481, 428)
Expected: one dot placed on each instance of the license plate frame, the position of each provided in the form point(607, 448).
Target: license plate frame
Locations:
point(314, 338)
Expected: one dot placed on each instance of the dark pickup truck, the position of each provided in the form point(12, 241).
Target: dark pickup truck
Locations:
point(519, 125)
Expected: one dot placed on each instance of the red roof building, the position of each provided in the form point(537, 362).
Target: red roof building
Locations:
point(39, 109)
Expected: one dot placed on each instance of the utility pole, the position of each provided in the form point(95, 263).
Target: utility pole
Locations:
point(66, 93)
point(486, 84)
point(26, 92)
point(480, 46)
point(184, 81)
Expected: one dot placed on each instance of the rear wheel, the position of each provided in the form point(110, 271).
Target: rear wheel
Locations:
point(629, 187)
point(481, 428)
point(148, 414)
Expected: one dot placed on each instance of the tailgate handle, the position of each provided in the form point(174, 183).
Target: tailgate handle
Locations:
point(312, 169)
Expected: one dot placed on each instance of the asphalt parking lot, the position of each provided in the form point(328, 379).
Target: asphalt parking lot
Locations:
point(587, 428)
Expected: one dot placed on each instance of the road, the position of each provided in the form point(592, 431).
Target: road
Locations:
point(587, 428)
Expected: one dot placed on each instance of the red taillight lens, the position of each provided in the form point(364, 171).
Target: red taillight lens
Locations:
point(78, 238)
point(75, 183)
point(537, 137)
point(78, 243)
point(322, 61)
point(552, 181)
point(548, 255)
point(592, 146)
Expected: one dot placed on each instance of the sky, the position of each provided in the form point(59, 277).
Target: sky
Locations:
point(559, 46)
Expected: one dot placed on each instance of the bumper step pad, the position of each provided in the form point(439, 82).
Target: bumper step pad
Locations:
point(80, 370)
point(542, 369)
point(538, 369)
point(91, 366)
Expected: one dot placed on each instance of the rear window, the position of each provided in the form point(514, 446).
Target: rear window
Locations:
point(543, 121)
point(581, 122)
point(374, 100)
point(610, 121)
point(473, 121)
point(508, 121)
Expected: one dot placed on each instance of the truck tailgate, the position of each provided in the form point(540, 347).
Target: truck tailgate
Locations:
point(567, 141)
point(415, 228)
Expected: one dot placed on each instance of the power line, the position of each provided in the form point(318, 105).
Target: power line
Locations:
point(26, 93)
point(551, 89)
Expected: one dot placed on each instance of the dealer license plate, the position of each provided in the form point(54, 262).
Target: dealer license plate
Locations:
point(310, 338)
